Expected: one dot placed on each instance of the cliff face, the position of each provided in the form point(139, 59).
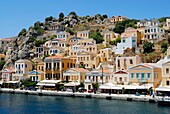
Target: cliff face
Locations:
point(21, 46)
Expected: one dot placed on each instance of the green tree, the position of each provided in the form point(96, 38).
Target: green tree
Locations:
point(70, 31)
point(164, 47)
point(28, 83)
point(147, 47)
point(97, 36)
point(2, 63)
point(105, 16)
point(49, 18)
point(53, 36)
point(38, 43)
point(114, 42)
point(120, 26)
point(23, 32)
point(118, 40)
point(61, 15)
point(73, 13)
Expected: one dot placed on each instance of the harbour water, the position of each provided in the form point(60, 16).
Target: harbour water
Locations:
point(33, 104)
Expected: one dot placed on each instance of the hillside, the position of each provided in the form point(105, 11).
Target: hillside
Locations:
point(24, 44)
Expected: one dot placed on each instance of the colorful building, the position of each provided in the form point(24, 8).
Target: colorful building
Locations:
point(7, 74)
point(75, 74)
point(123, 63)
point(22, 67)
point(145, 73)
point(55, 65)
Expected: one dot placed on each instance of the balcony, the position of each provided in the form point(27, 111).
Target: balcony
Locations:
point(88, 81)
point(143, 80)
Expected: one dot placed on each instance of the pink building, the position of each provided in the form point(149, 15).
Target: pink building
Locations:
point(7, 74)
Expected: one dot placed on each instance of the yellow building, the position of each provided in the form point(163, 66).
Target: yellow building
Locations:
point(166, 74)
point(105, 54)
point(109, 36)
point(75, 74)
point(87, 59)
point(83, 34)
point(115, 19)
point(145, 73)
point(55, 65)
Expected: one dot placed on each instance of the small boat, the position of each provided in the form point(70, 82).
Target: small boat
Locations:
point(163, 100)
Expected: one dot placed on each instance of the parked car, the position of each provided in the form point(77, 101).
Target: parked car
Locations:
point(30, 88)
point(82, 90)
point(69, 90)
point(90, 90)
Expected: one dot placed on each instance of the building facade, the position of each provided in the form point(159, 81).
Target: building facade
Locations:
point(22, 67)
point(55, 65)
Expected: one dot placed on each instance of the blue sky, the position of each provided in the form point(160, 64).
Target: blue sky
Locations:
point(18, 14)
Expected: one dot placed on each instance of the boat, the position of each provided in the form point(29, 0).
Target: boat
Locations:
point(163, 100)
point(163, 95)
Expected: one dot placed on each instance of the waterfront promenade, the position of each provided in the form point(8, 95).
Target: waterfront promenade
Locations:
point(128, 97)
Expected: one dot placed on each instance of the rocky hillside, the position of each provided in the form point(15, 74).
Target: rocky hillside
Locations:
point(23, 45)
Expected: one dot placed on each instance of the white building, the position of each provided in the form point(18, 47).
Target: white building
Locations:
point(22, 67)
point(63, 35)
point(125, 43)
point(145, 23)
point(153, 33)
point(120, 77)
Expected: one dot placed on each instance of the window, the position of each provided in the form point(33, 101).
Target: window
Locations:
point(131, 61)
point(125, 79)
point(149, 75)
point(137, 75)
point(143, 76)
point(133, 40)
point(68, 65)
point(124, 41)
point(167, 70)
point(115, 79)
point(132, 75)
point(25, 65)
point(155, 76)
point(118, 63)
point(167, 82)
point(63, 65)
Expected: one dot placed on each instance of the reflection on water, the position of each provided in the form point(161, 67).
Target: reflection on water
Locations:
point(30, 104)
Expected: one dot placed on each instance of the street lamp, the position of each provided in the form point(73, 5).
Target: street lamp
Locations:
point(36, 63)
point(102, 73)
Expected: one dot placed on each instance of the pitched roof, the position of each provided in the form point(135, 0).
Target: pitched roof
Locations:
point(52, 57)
point(9, 69)
point(22, 61)
point(81, 69)
point(120, 72)
point(34, 72)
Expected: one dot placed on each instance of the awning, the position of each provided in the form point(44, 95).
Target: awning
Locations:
point(117, 87)
point(104, 87)
point(44, 84)
point(111, 86)
point(72, 84)
point(163, 88)
point(132, 86)
point(145, 86)
point(1, 83)
point(50, 81)
point(12, 82)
